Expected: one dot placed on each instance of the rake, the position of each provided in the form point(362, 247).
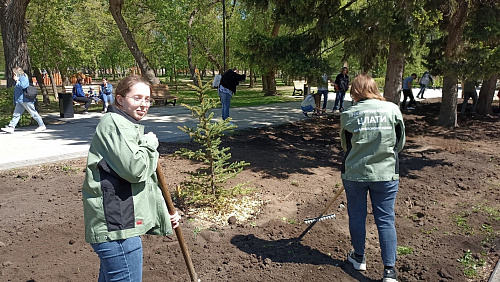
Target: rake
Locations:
point(314, 220)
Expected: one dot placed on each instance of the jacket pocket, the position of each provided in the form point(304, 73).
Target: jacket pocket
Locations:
point(118, 202)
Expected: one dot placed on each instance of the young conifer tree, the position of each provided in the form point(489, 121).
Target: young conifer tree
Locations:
point(205, 184)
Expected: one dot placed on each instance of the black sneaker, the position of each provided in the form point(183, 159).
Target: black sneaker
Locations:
point(390, 275)
point(359, 263)
point(305, 114)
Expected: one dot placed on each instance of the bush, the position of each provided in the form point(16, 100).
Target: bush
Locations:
point(380, 82)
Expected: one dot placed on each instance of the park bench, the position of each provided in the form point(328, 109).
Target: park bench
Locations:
point(298, 87)
point(160, 93)
point(86, 88)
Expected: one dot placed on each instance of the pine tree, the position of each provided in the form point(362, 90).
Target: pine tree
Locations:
point(205, 184)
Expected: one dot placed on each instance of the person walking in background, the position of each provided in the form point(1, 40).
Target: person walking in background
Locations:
point(22, 103)
point(121, 197)
point(372, 133)
point(106, 94)
point(424, 82)
point(469, 92)
point(407, 92)
point(341, 87)
point(227, 88)
point(79, 95)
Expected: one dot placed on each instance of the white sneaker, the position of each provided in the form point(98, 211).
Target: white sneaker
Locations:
point(40, 128)
point(8, 129)
point(359, 263)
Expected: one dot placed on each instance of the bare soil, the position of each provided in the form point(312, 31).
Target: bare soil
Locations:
point(448, 203)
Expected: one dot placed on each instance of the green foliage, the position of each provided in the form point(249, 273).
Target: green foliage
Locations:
point(402, 250)
point(461, 221)
point(470, 264)
point(205, 184)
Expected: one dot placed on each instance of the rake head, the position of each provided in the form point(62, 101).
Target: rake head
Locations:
point(319, 218)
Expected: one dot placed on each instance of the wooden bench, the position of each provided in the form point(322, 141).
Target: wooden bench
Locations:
point(86, 89)
point(298, 87)
point(160, 93)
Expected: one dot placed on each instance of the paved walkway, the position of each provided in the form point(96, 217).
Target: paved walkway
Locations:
point(67, 138)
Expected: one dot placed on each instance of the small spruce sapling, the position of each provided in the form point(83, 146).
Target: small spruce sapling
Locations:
point(205, 184)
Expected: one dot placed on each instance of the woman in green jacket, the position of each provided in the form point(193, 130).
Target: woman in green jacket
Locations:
point(372, 134)
point(121, 197)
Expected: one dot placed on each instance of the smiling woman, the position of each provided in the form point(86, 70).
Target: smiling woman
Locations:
point(120, 171)
point(133, 96)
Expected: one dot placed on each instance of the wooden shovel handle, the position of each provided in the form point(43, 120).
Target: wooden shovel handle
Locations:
point(178, 231)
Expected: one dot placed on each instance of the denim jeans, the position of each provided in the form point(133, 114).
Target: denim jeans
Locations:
point(120, 260)
point(422, 90)
point(108, 99)
point(382, 196)
point(225, 100)
point(325, 97)
point(19, 110)
point(339, 100)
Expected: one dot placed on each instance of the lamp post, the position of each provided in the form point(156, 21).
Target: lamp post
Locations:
point(224, 33)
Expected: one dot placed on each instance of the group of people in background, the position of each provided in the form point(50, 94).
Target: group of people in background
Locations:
point(312, 101)
point(105, 94)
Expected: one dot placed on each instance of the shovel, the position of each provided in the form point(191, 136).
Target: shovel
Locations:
point(178, 232)
point(321, 216)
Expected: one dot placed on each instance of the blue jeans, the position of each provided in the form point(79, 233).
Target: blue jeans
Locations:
point(422, 90)
point(325, 97)
point(19, 110)
point(225, 100)
point(339, 100)
point(382, 196)
point(107, 100)
point(120, 260)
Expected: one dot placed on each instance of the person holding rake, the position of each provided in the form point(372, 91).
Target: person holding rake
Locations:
point(372, 134)
point(121, 196)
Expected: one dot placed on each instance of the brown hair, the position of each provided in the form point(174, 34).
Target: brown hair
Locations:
point(18, 70)
point(364, 87)
point(125, 84)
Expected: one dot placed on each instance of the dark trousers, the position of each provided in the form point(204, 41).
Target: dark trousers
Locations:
point(408, 93)
point(85, 100)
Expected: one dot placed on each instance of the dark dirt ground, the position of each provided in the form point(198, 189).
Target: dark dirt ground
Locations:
point(448, 203)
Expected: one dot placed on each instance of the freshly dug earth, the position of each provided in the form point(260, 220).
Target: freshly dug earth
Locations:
point(448, 204)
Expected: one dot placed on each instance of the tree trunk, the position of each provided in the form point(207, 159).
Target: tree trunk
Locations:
point(43, 87)
point(448, 112)
point(394, 75)
point(14, 35)
point(252, 83)
point(53, 84)
point(194, 78)
point(486, 95)
point(115, 7)
point(268, 80)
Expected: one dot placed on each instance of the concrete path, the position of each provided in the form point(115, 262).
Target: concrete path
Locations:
point(67, 138)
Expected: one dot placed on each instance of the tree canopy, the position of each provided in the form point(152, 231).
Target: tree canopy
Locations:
point(299, 38)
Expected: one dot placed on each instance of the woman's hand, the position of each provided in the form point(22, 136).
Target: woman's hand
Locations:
point(175, 219)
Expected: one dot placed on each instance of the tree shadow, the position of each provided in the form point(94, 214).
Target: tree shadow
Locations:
point(291, 251)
